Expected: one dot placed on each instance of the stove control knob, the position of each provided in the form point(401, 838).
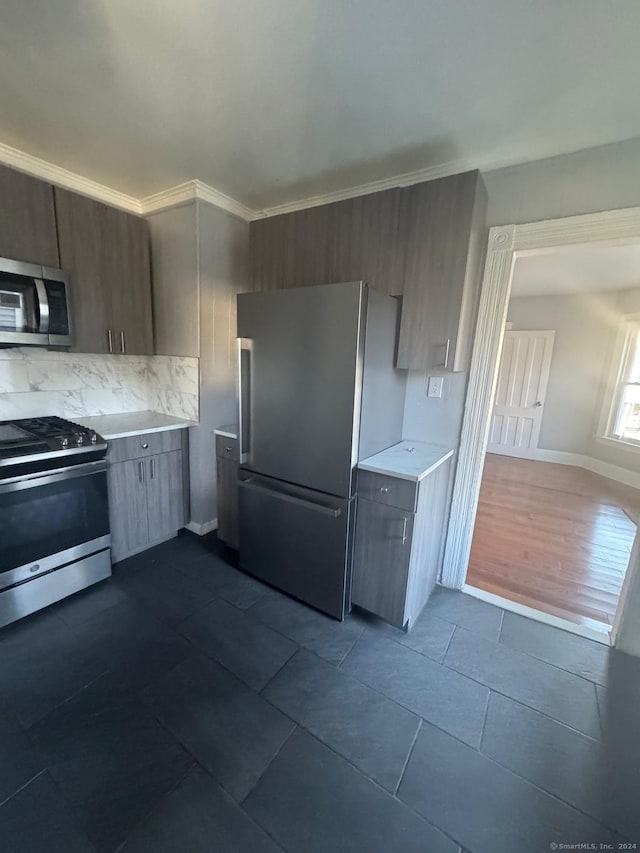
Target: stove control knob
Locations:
point(94, 438)
point(64, 441)
point(79, 440)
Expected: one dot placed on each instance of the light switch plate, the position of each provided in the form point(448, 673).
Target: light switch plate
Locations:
point(434, 386)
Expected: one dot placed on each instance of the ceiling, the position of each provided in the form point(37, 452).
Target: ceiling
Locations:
point(587, 269)
point(271, 101)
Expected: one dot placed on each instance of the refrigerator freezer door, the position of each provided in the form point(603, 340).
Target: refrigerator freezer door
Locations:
point(301, 381)
point(296, 540)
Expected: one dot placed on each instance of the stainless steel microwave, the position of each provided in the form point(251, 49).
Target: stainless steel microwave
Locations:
point(34, 305)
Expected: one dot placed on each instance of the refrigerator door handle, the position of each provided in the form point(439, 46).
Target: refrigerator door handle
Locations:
point(244, 398)
point(334, 512)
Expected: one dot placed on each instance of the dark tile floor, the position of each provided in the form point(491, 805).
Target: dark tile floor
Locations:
point(182, 707)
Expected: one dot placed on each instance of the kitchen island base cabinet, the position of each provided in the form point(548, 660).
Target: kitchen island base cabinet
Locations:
point(146, 496)
point(398, 551)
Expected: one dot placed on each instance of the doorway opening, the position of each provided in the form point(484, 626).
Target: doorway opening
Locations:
point(556, 519)
point(550, 451)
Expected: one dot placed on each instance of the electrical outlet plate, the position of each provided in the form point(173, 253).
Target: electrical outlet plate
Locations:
point(434, 386)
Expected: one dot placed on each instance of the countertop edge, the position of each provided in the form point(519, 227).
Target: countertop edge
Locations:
point(111, 436)
point(227, 432)
point(114, 426)
point(378, 469)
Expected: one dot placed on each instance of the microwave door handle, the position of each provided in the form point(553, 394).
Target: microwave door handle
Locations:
point(43, 303)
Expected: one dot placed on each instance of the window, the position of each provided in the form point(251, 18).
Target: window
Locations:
point(623, 422)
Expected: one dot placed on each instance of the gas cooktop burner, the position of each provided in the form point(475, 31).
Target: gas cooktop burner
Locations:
point(40, 444)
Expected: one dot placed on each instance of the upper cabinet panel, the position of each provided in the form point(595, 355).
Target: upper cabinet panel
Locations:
point(107, 252)
point(127, 268)
point(443, 228)
point(352, 240)
point(27, 219)
point(81, 235)
point(425, 242)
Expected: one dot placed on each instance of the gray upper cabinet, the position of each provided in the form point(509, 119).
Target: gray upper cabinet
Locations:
point(27, 219)
point(81, 232)
point(443, 226)
point(107, 252)
point(346, 241)
point(426, 242)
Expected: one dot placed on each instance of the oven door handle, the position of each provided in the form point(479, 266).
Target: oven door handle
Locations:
point(31, 481)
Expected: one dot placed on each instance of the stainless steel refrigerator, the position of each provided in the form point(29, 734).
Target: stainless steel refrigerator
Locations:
point(317, 392)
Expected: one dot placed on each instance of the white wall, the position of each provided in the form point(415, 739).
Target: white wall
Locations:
point(604, 178)
point(583, 324)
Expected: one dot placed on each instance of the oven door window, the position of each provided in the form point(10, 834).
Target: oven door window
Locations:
point(19, 306)
point(42, 520)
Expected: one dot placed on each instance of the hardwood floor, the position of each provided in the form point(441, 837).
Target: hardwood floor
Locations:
point(553, 537)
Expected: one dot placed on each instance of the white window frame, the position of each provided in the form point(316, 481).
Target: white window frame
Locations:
point(620, 365)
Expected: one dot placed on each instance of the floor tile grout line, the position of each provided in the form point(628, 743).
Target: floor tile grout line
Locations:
point(71, 806)
point(548, 793)
point(529, 656)
point(24, 785)
point(156, 807)
point(106, 671)
point(408, 758)
point(455, 628)
point(277, 673)
point(373, 781)
point(484, 720)
point(524, 704)
point(295, 728)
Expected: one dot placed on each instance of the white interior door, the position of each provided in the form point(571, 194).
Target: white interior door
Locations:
point(520, 393)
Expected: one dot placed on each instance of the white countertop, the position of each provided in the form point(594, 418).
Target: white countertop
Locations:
point(230, 431)
point(409, 460)
point(132, 423)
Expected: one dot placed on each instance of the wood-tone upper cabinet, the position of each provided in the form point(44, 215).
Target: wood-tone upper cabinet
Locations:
point(346, 241)
point(128, 264)
point(27, 219)
point(107, 252)
point(443, 227)
point(366, 241)
point(81, 235)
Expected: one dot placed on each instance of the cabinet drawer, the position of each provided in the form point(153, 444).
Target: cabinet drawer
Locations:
point(392, 491)
point(227, 448)
point(138, 446)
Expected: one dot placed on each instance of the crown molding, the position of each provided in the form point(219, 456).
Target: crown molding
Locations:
point(213, 196)
point(190, 191)
point(405, 179)
point(171, 197)
point(198, 190)
point(64, 178)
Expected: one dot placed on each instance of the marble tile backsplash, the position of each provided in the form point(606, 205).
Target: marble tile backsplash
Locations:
point(42, 382)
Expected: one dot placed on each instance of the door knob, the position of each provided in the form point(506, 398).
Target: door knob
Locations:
point(537, 404)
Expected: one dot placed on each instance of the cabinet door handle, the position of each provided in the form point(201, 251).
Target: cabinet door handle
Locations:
point(446, 347)
point(152, 468)
point(122, 346)
point(141, 472)
point(110, 340)
point(404, 530)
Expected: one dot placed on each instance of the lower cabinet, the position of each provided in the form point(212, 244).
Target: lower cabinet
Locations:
point(398, 550)
point(227, 489)
point(146, 499)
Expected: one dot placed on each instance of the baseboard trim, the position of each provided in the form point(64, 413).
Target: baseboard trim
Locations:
point(202, 529)
point(597, 466)
point(603, 636)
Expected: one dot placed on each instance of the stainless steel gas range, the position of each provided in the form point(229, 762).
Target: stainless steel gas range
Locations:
point(54, 516)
